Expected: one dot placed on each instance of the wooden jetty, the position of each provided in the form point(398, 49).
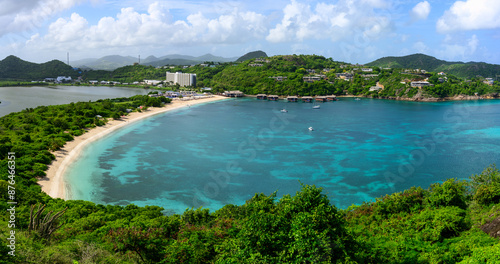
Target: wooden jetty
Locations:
point(273, 98)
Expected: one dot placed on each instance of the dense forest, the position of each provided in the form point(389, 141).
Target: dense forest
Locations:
point(456, 221)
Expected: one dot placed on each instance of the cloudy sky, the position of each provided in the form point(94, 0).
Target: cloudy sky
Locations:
point(355, 31)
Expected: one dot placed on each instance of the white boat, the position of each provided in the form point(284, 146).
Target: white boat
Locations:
point(311, 129)
point(284, 110)
point(316, 107)
point(357, 99)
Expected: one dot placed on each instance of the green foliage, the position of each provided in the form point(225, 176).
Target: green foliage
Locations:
point(13, 68)
point(485, 187)
point(450, 193)
point(487, 255)
point(437, 224)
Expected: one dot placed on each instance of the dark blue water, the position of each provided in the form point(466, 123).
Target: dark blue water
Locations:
point(225, 152)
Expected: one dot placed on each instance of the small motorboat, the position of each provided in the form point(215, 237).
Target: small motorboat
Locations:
point(311, 129)
point(316, 107)
point(284, 110)
point(357, 99)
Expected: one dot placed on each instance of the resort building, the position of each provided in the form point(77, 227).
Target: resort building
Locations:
point(420, 84)
point(234, 93)
point(310, 79)
point(183, 79)
point(320, 99)
point(273, 97)
point(152, 82)
point(307, 99)
point(489, 81)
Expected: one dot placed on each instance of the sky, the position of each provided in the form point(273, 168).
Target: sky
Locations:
point(353, 31)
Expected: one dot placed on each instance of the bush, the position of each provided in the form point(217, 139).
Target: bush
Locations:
point(485, 187)
point(450, 193)
point(438, 224)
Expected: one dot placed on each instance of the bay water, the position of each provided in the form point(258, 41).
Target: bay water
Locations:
point(223, 153)
point(15, 99)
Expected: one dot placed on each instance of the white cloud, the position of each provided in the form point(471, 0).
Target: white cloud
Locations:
point(152, 29)
point(420, 47)
point(453, 49)
point(420, 11)
point(470, 15)
point(334, 21)
point(18, 16)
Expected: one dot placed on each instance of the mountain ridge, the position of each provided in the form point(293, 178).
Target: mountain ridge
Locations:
point(14, 68)
point(112, 62)
point(432, 64)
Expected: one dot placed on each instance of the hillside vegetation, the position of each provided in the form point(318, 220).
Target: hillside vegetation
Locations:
point(14, 69)
point(428, 63)
point(450, 222)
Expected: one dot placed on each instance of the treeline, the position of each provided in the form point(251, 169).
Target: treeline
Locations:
point(442, 224)
point(17, 83)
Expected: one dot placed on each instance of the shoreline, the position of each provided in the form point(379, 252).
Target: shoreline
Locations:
point(53, 183)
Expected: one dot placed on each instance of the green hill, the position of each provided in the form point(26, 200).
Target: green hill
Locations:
point(312, 75)
point(252, 55)
point(428, 63)
point(13, 68)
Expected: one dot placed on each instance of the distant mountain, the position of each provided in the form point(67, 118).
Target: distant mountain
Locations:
point(13, 68)
point(115, 61)
point(252, 55)
point(428, 63)
point(106, 63)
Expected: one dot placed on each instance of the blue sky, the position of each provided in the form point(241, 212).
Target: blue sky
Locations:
point(355, 31)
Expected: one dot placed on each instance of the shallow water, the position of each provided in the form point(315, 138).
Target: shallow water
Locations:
point(225, 152)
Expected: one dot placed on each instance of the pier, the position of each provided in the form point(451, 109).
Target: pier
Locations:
point(273, 98)
point(321, 99)
point(307, 99)
point(233, 94)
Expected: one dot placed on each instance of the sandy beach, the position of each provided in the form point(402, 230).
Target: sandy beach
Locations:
point(54, 185)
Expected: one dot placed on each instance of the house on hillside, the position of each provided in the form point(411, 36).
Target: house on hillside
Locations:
point(63, 79)
point(421, 84)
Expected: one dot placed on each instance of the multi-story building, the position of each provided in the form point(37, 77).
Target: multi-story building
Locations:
point(183, 79)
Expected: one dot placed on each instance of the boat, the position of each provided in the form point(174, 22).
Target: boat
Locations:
point(284, 110)
point(311, 129)
point(357, 99)
point(316, 107)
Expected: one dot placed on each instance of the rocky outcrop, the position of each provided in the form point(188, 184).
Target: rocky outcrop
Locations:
point(492, 228)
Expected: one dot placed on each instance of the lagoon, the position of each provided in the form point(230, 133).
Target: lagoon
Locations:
point(225, 152)
point(15, 99)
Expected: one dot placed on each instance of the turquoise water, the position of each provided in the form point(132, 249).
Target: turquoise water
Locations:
point(225, 152)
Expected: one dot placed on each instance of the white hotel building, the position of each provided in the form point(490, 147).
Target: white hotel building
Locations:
point(183, 79)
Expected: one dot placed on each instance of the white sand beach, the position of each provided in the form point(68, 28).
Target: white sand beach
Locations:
point(54, 184)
